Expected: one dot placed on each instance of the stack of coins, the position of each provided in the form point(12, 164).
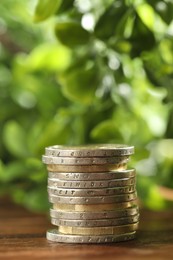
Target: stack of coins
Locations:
point(92, 192)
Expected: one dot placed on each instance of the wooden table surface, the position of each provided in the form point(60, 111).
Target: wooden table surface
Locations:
point(22, 236)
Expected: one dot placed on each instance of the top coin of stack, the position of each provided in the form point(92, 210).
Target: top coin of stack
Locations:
point(93, 194)
point(89, 158)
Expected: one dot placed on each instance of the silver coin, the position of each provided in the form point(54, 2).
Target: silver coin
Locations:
point(97, 150)
point(84, 176)
point(91, 192)
point(55, 236)
point(95, 223)
point(108, 214)
point(84, 161)
point(56, 183)
point(86, 168)
point(93, 200)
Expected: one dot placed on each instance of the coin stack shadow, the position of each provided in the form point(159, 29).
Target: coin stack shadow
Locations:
point(93, 194)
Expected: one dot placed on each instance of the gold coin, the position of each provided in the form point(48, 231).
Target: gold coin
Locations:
point(94, 207)
point(114, 230)
point(86, 168)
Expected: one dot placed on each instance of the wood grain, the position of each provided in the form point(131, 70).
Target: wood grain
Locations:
point(22, 236)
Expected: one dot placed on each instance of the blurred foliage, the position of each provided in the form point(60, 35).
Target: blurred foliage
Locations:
point(92, 71)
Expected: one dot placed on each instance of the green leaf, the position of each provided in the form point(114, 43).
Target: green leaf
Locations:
point(49, 57)
point(2, 169)
point(46, 8)
point(110, 20)
point(169, 127)
point(122, 46)
point(106, 131)
point(158, 70)
point(164, 9)
point(79, 84)
point(56, 131)
point(15, 139)
point(155, 200)
point(71, 34)
point(147, 15)
point(65, 6)
point(18, 196)
point(142, 38)
point(141, 153)
point(13, 171)
point(36, 199)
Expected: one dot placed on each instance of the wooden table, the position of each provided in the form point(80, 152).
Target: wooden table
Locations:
point(22, 236)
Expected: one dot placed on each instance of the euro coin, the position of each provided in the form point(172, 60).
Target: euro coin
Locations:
point(55, 236)
point(94, 176)
point(114, 230)
point(84, 161)
point(56, 183)
point(95, 150)
point(91, 192)
point(95, 223)
point(85, 168)
point(93, 200)
point(94, 207)
point(94, 215)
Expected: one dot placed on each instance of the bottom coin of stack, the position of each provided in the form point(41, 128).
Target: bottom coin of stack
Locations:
point(91, 207)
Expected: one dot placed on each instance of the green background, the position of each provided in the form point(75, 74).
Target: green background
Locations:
point(76, 72)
